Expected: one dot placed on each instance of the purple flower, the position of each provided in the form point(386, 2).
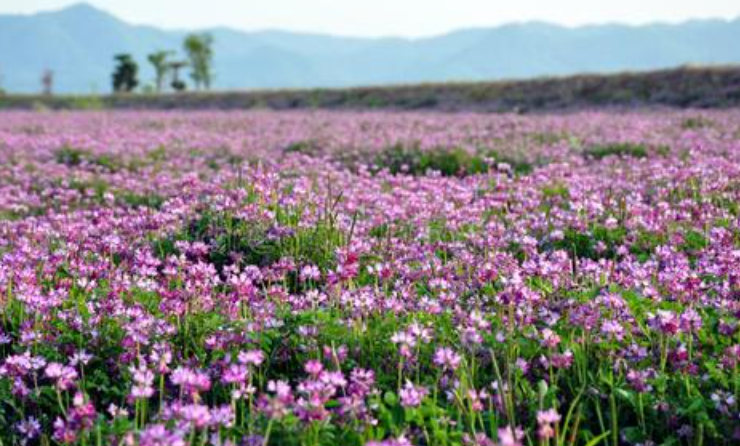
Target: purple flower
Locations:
point(252, 357)
point(63, 376)
point(314, 367)
point(447, 358)
point(546, 420)
point(191, 381)
point(411, 395)
point(29, 428)
point(510, 436)
point(159, 435)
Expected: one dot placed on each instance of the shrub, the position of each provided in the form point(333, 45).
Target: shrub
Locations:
point(696, 123)
point(597, 243)
point(622, 150)
point(234, 240)
point(517, 164)
point(305, 147)
point(415, 161)
point(70, 156)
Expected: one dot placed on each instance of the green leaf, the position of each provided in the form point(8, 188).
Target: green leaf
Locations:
point(390, 398)
point(597, 440)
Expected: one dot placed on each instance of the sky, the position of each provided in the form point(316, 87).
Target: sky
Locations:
point(407, 18)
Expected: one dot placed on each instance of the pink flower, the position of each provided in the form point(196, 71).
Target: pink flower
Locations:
point(63, 375)
point(665, 321)
point(447, 358)
point(159, 435)
point(411, 395)
point(546, 420)
point(314, 367)
point(279, 404)
point(191, 381)
point(234, 374)
point(143, 379)
point(252, 357)
point(509, 436)
point(550, 339)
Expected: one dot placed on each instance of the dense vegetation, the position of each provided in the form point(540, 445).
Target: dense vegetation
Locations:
point(313, 278)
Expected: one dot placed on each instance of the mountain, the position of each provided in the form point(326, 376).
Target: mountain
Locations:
point(78, 44)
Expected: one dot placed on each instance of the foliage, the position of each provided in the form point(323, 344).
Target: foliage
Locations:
point(631, 150)
point(160, 63)
point(199, 48)
point(414, 161)
point(125, 76)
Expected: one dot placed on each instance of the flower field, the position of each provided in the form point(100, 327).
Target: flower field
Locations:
point(384, 279)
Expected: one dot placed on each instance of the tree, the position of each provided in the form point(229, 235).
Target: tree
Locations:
point(47, 82)
point(199, 48)
point(175, 67)
point(125, 76)
point(161, 65)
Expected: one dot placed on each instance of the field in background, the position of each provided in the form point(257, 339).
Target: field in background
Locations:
point(680, 88)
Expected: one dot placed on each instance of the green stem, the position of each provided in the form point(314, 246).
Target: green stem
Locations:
point(615, 419)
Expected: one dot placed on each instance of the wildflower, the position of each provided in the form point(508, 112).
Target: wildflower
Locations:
point(117, 412)
point(638, 380)
point(611, 223)
point(361, 382)
point(278, 405)
point(400, 441)
point(510, 436)
point(159, 435)
point(63, 375)
point(234, 374)
point(80, 358)
point(613, 329)
point(559, 360)
point(406, 343)
point(252, 357)
point(447, 358)
point(479, 439)
point(143, 379)
point(63, 433)
point(29, 428)
point(522, 365)
point(411, 395)
point(549, 338)
point(690, 321)
point(476, 399)
point(196, 415)
point(310, 272)
point(191, 381)
point(314, 367)
point(664, 321)
point(546, 420)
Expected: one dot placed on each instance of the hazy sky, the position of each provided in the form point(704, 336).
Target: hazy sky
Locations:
point(389, 17)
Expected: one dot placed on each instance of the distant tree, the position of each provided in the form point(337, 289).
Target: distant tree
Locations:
point(175, 68)
point(125, 76)
point(199, 48)
point(161, 65)
point(47, 82)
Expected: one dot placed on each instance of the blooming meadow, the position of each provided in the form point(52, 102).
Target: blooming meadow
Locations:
point(397, 279)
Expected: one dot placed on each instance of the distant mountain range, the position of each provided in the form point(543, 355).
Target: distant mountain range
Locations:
point(78, 44)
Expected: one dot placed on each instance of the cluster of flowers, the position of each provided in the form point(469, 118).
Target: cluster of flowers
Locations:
point(262, 279)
